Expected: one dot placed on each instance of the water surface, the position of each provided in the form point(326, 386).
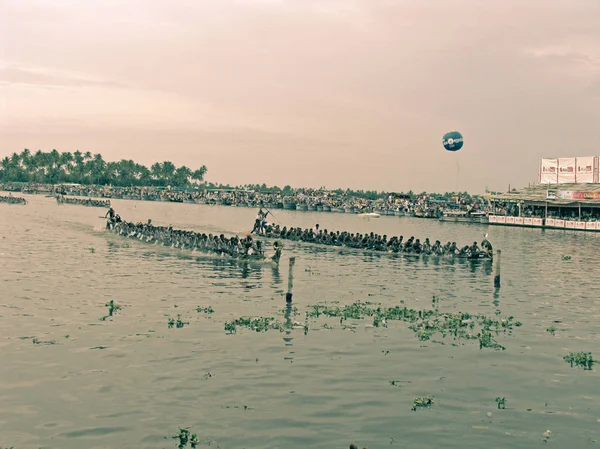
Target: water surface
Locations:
point(130, 381)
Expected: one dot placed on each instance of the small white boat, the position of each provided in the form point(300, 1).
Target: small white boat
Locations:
point(370, 215)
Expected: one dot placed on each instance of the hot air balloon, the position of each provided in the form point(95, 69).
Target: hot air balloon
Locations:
point(453, 141)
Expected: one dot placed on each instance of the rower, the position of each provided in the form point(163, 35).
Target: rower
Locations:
point(474, 249)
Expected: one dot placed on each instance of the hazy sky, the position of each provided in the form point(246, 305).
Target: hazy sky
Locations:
point(307, 92)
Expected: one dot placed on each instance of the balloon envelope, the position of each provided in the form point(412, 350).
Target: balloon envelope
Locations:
point(453, 141)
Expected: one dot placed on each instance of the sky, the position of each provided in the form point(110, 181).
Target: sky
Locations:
point(352, 93)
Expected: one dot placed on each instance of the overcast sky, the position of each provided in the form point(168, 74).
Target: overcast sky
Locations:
point(313, 93)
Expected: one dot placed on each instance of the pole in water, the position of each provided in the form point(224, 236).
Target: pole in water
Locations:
point(497, 275)
point(288, 296)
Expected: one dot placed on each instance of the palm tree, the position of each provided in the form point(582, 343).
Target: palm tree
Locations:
point(181, 176)
point(156, 172)
point(198, 175)
point(97, 168)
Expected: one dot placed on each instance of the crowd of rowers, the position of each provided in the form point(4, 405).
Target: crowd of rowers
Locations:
point(370, 241)
point(12, 200)
point(61, 199)
point(239, 248)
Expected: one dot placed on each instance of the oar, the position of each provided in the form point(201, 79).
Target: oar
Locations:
point(273, 216)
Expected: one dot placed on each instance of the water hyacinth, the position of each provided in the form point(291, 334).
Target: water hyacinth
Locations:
point(582, 359)
point(427, 401)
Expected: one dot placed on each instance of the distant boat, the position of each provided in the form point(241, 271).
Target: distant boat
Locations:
point(370, 215)
point(459, 216)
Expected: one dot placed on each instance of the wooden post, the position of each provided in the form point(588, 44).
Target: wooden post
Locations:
point(497, 275)
point(288, 296)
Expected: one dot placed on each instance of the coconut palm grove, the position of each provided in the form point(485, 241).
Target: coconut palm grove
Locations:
point(54, 167)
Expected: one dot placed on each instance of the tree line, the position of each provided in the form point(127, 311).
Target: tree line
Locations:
point(91, 169)
point(87, 168)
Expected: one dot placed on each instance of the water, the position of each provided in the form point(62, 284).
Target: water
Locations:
point(130, 381)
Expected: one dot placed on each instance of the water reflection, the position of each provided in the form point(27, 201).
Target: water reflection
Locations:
point(287, 339)
point(276, 274)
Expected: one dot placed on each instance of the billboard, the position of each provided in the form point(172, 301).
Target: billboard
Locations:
point(585, 169)
point(549, 171)
point(569, 170)
point(566, 170)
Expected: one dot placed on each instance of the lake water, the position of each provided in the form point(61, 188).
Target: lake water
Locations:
point(130, 381)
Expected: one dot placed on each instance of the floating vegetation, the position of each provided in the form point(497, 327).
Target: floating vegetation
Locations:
point(427, 401)
point(426, 323)
point(397, 383)
point(564, 257)
point(185, 437)
point(551, 330)
point(501, 402)
point(112, 307)
point(582, 359)
point(261, 324)
point(178, 323)
point(92, 250)
point(208, 309)
point(35, 341)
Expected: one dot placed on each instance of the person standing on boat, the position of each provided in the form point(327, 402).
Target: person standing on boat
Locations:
point(259, 222)
point(263, 222)
point(487, 247)
point(111, 218)
point(110, 212)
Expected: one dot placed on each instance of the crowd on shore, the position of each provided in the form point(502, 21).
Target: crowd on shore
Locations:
point(61, 199)
point(12, 200)
point(246, 248)
point(419, 205)
point(423, 204)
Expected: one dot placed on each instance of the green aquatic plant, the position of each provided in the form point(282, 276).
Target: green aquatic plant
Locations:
point(112, 307)
point(185, 437)
point(551, 330)
point(486, 340)
point(261, 324)
point(501, 402)
point(92, 250)
point(208, 309)
point(426, 323)
point(582, 359)
point(427, 401)
point(176, 323)
point(564, 257)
